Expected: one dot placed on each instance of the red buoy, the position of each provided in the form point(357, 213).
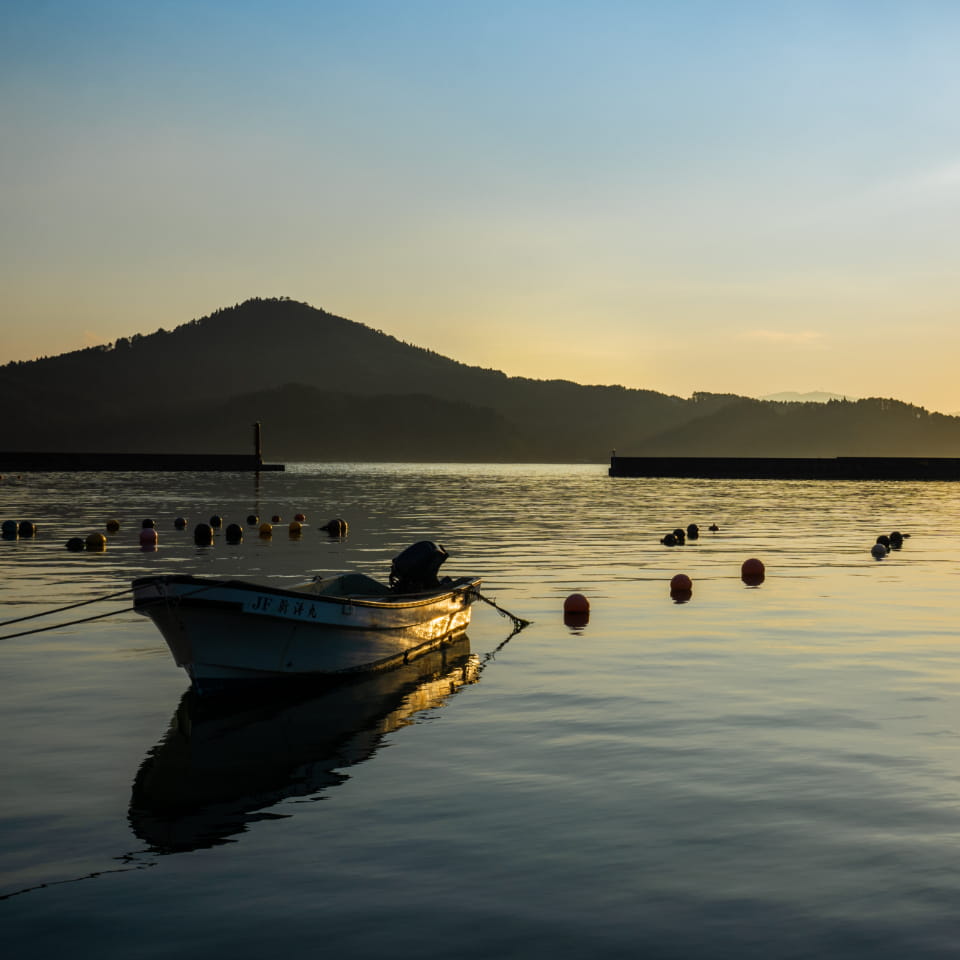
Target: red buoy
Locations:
point(576, 603)
point(752, 572)
point(681, 582)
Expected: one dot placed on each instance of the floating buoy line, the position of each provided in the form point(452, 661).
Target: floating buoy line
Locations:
point(576, 607)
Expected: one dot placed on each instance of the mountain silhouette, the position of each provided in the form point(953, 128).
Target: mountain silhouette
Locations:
point(861, 428)
point(328, 388)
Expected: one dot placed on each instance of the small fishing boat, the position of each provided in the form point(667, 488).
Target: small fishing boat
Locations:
point(225, 632)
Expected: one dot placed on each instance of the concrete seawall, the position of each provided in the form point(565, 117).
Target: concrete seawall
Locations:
point(40, 462)
point(788, 468)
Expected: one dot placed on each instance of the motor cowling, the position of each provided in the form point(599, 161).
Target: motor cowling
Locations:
point(416, 568)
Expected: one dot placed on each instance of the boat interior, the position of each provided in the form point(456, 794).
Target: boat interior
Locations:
point(348, 585)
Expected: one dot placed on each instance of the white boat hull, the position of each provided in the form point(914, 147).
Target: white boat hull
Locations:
point(222, 632)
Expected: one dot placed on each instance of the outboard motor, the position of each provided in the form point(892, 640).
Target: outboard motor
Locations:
point(416, 568)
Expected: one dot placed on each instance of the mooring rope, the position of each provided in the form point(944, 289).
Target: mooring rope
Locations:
point(100, 616)
point(129, 858)
point(518, 622)
point(68, 623)
point(69, 606)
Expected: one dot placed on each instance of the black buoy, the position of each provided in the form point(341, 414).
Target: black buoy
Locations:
point(669, 540)
point(76, 544)
point(253, 519)
point(234, 533)
point(336, 527)
point(180, 524)
point(216, 522)
point(693, 531)
point(203, 535)
point(147, 525)
point(27, 528)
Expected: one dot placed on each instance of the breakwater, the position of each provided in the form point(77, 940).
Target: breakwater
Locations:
point(788, 468)
point(40, 462)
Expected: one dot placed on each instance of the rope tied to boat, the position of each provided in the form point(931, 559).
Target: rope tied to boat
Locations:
point(518, 622)
point(82, 603)
point(68, 623)
point(69, 606)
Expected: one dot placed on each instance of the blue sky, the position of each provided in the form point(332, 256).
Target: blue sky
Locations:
point(738, 196)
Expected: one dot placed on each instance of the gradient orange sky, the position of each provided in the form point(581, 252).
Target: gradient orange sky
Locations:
point(737, 197)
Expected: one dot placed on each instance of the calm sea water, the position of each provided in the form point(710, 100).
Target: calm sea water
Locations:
point(759, 772)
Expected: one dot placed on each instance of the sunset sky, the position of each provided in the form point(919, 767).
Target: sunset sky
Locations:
point(736, 196)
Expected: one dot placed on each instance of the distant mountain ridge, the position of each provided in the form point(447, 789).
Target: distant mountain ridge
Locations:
point(328, 388)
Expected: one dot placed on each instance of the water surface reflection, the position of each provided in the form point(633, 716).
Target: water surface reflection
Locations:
point(223, 759)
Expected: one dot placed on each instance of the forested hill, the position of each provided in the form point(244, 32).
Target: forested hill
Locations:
point(327, 388)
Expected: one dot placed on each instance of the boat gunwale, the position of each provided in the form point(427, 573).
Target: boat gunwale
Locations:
point(402, 601)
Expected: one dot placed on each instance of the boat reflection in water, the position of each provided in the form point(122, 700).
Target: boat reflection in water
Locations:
point(223, 760)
